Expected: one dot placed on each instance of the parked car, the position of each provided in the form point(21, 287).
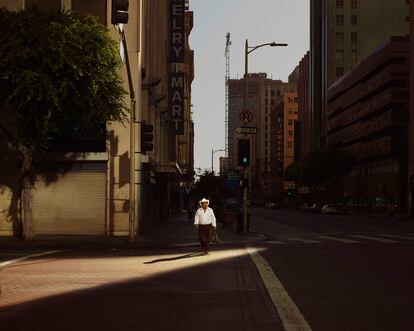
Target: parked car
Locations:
point(331, 209)
point(272, 205)
point(315, 208)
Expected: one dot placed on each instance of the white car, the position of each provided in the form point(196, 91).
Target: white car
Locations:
point(330, 209)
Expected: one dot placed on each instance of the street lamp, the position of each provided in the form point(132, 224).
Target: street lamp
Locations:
point(212, 153)
point(247, 51)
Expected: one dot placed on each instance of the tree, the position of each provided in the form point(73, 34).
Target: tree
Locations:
point(210, 186)
point(56, 70)
point(321, 168)
point(294, 172)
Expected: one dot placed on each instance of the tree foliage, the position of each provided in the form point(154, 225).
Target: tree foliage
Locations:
point(55, 69)
point(207, 185)
point(321, 167)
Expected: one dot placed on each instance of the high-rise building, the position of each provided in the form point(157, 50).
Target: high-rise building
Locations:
point(342, 34)
point(411, 117)
point(367, 114)
point(263, 95)
point(305, 119)
point(284, 125)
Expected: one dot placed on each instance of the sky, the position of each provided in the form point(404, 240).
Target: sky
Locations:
point(260, 21)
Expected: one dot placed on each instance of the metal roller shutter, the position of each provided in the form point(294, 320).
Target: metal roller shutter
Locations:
point(72, 203)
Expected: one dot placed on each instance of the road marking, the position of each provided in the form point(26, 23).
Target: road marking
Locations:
point(275, 242)
point(307, 241)
point(348, 241)
point(375, 238)
point(290, 315)
point(397, 236)
point(6, 263)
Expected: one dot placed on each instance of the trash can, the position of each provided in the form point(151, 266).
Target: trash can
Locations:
point(239, 217)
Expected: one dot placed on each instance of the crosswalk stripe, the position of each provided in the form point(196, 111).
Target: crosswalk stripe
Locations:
point(374, 238)
point(397, 236)
point(275, 242)
point(348, 241)
point(306, 241)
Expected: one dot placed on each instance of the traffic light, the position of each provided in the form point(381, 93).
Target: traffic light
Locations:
point(147, 137)
point(243, 152)
point(119, 11)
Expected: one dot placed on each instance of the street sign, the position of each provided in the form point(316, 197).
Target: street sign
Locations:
point(247, 130)
point(233, 182)
point(246, 116)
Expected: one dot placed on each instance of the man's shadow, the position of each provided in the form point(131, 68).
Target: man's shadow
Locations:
point(186, 256)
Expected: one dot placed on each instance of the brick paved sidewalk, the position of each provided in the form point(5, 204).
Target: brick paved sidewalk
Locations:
point(174, 289)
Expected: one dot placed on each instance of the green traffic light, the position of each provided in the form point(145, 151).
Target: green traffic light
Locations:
point(245, 160)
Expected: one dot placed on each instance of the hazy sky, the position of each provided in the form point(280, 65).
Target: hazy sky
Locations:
point(260, 21)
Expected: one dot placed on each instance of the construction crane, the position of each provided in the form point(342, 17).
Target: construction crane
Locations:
point(227, 55)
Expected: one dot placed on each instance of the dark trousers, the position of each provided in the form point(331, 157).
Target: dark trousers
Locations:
point(204, 235)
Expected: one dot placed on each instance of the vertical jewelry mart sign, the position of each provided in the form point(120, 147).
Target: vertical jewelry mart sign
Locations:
point(177, 39)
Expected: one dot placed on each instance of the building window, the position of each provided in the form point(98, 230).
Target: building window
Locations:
point(290, 144)
point(290, 122)
point(339, 19)
point(339, 72)
point(353, 37)
point(266, 119)
point(353, 4)
point(354, 55)
point(272, 93)
point(290, 133)
point(354, 20)
point(339, 3)
point(407, 18)
point(340, 37)
point(339, 54)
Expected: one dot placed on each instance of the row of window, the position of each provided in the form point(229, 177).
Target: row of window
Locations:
point(354, 4)
point(340, 19)
point(273, 93)
point(340, 37)
point(340, 55)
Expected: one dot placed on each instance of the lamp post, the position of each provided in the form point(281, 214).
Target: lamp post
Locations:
point(247, 51)
point(212, 160)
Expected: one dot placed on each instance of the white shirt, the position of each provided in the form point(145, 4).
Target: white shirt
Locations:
point(205, 217)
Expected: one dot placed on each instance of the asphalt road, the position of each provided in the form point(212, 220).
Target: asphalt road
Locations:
point(343, 272)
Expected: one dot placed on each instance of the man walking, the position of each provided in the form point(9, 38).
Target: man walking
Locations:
point(204, 221)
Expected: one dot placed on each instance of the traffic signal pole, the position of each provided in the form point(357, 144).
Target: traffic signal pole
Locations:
point(245, 173)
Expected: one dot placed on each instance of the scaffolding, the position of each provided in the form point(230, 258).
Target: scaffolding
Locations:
point(227, 55)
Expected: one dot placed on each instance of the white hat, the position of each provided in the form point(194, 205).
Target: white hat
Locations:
point(204, 200)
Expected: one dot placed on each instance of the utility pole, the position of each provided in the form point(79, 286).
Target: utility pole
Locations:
point(247, 51)
point(227, 56)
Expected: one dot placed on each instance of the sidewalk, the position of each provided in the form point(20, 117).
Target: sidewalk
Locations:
point(177, 288)
point(174, 232)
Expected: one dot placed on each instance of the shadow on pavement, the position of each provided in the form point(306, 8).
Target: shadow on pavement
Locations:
point(222, 292)
point(176, 258)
